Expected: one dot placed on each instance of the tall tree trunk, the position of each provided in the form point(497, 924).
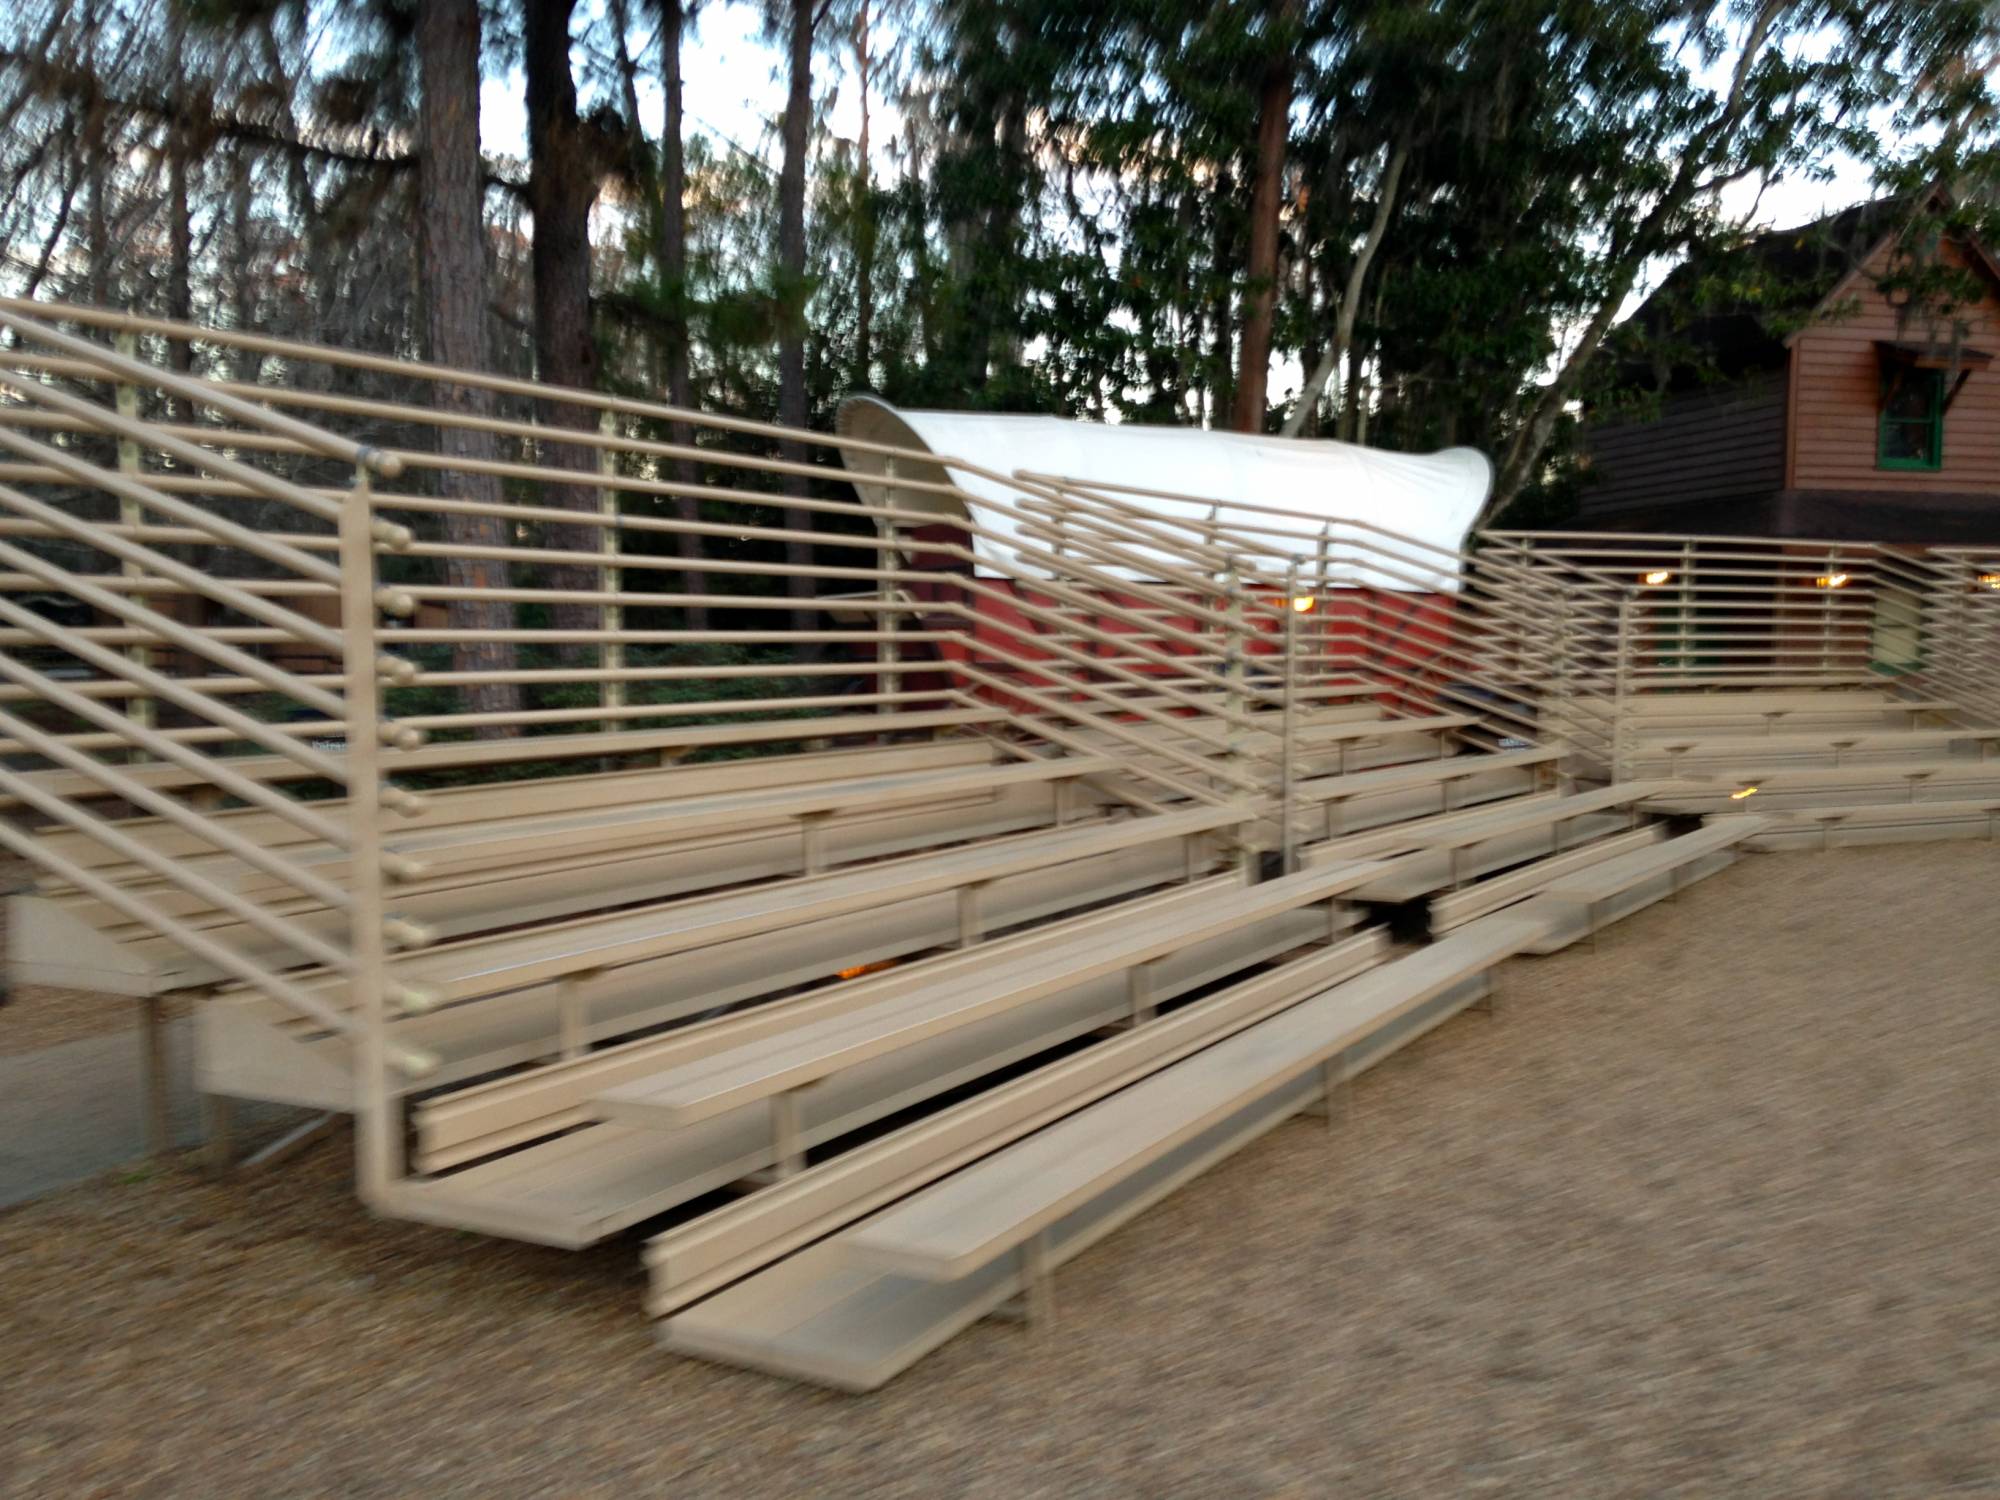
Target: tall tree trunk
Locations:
point(665, 180)
point(1350, 299)
point(864, 217)
point(1225, 259)
point(242, 293)
point(673, 279)
point(791, 281)
point(1253, 366)
point(180, 233)
point(451, 227)
point(562, 185)
point(99, 221)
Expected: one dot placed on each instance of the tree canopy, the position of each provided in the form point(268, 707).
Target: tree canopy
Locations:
point(1405, 222)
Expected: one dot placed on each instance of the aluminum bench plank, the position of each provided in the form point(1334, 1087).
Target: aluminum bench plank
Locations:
point(821, 1317)
point(1418, 874)
point(1458, 907)
point(693, 1259)
point(1590, 899)
point(577, 1188)
point(502, 803)
point(758, 1071)
point(1823, 742)
point(483, 966)
point(465, 753)
point(556, 1095)
point(951, 1229)
point(1490, 821)
point(1418, 774)
point(1616, 875)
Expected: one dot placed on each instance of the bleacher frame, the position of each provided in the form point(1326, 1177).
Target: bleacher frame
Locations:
point(392, 733)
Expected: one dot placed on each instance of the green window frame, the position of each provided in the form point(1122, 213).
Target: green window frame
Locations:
point(1909, 430)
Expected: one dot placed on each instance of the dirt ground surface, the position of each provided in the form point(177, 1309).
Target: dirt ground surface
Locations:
point(1712, 1209)
point(36, 1017)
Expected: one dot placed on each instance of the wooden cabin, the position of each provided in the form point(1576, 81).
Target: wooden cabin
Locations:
point(1792, 393)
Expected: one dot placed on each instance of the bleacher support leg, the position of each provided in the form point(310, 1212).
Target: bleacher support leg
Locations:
point(218, 1129)
point(153, 1063)
point(1139, 991)
point(812, 843)
point(1065, 795)
point(786, 1133)
point(1039, 1288)
point(1489, 994)
point(1335, 1094)
point(570, 1016)
point(971, 924)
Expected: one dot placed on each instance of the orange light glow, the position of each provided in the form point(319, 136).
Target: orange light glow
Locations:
point(1748, 791)
point(1830, 581)
point(1303, 603)
point(1657, 577)
point(875, 968)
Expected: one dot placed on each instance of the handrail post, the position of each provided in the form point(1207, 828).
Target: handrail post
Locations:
point(378, 1136)
point(612, 579)
point(1287, 770)
point(888, 654)
point(1621, 684)
point(1564, 689)
point(1683, 655)
point(1320, 637)
point(1234, 666)
point(139, 707)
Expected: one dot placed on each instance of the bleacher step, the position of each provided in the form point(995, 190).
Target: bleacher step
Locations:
point(1581, 904)
point(827, 1316)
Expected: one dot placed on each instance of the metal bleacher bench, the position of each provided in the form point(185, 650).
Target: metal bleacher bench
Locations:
point(870, 1300)
point(779, 1067)
point(1676, 863)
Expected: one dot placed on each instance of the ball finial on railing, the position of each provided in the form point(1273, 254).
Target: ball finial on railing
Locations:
point(401, 800)
point(396, 670)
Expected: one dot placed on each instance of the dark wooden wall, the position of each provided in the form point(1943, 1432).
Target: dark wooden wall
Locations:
point(1707, 449)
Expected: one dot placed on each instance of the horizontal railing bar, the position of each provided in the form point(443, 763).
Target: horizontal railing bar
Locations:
point(713, 707)
point(259, 481)
point(199, 643)
point(217, 529)
point(203, 827)
point(213, 773)
point(427, 636)
point(189, 388)
point(166, 689)
point(175, 872)
point(145, 532)
point(132, 583)
point(1630, 539)
point(779, 603)
point(193, 580)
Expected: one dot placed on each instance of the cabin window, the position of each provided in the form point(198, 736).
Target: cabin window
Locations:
point(1911, 435)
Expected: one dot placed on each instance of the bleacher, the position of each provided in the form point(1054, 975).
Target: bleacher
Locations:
point(867, 948)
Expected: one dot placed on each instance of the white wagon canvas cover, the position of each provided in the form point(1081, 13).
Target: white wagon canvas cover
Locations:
point(1430, 498)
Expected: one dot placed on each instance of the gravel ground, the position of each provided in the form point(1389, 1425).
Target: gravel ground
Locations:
point(1709, 1210)
point(35, 1017)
